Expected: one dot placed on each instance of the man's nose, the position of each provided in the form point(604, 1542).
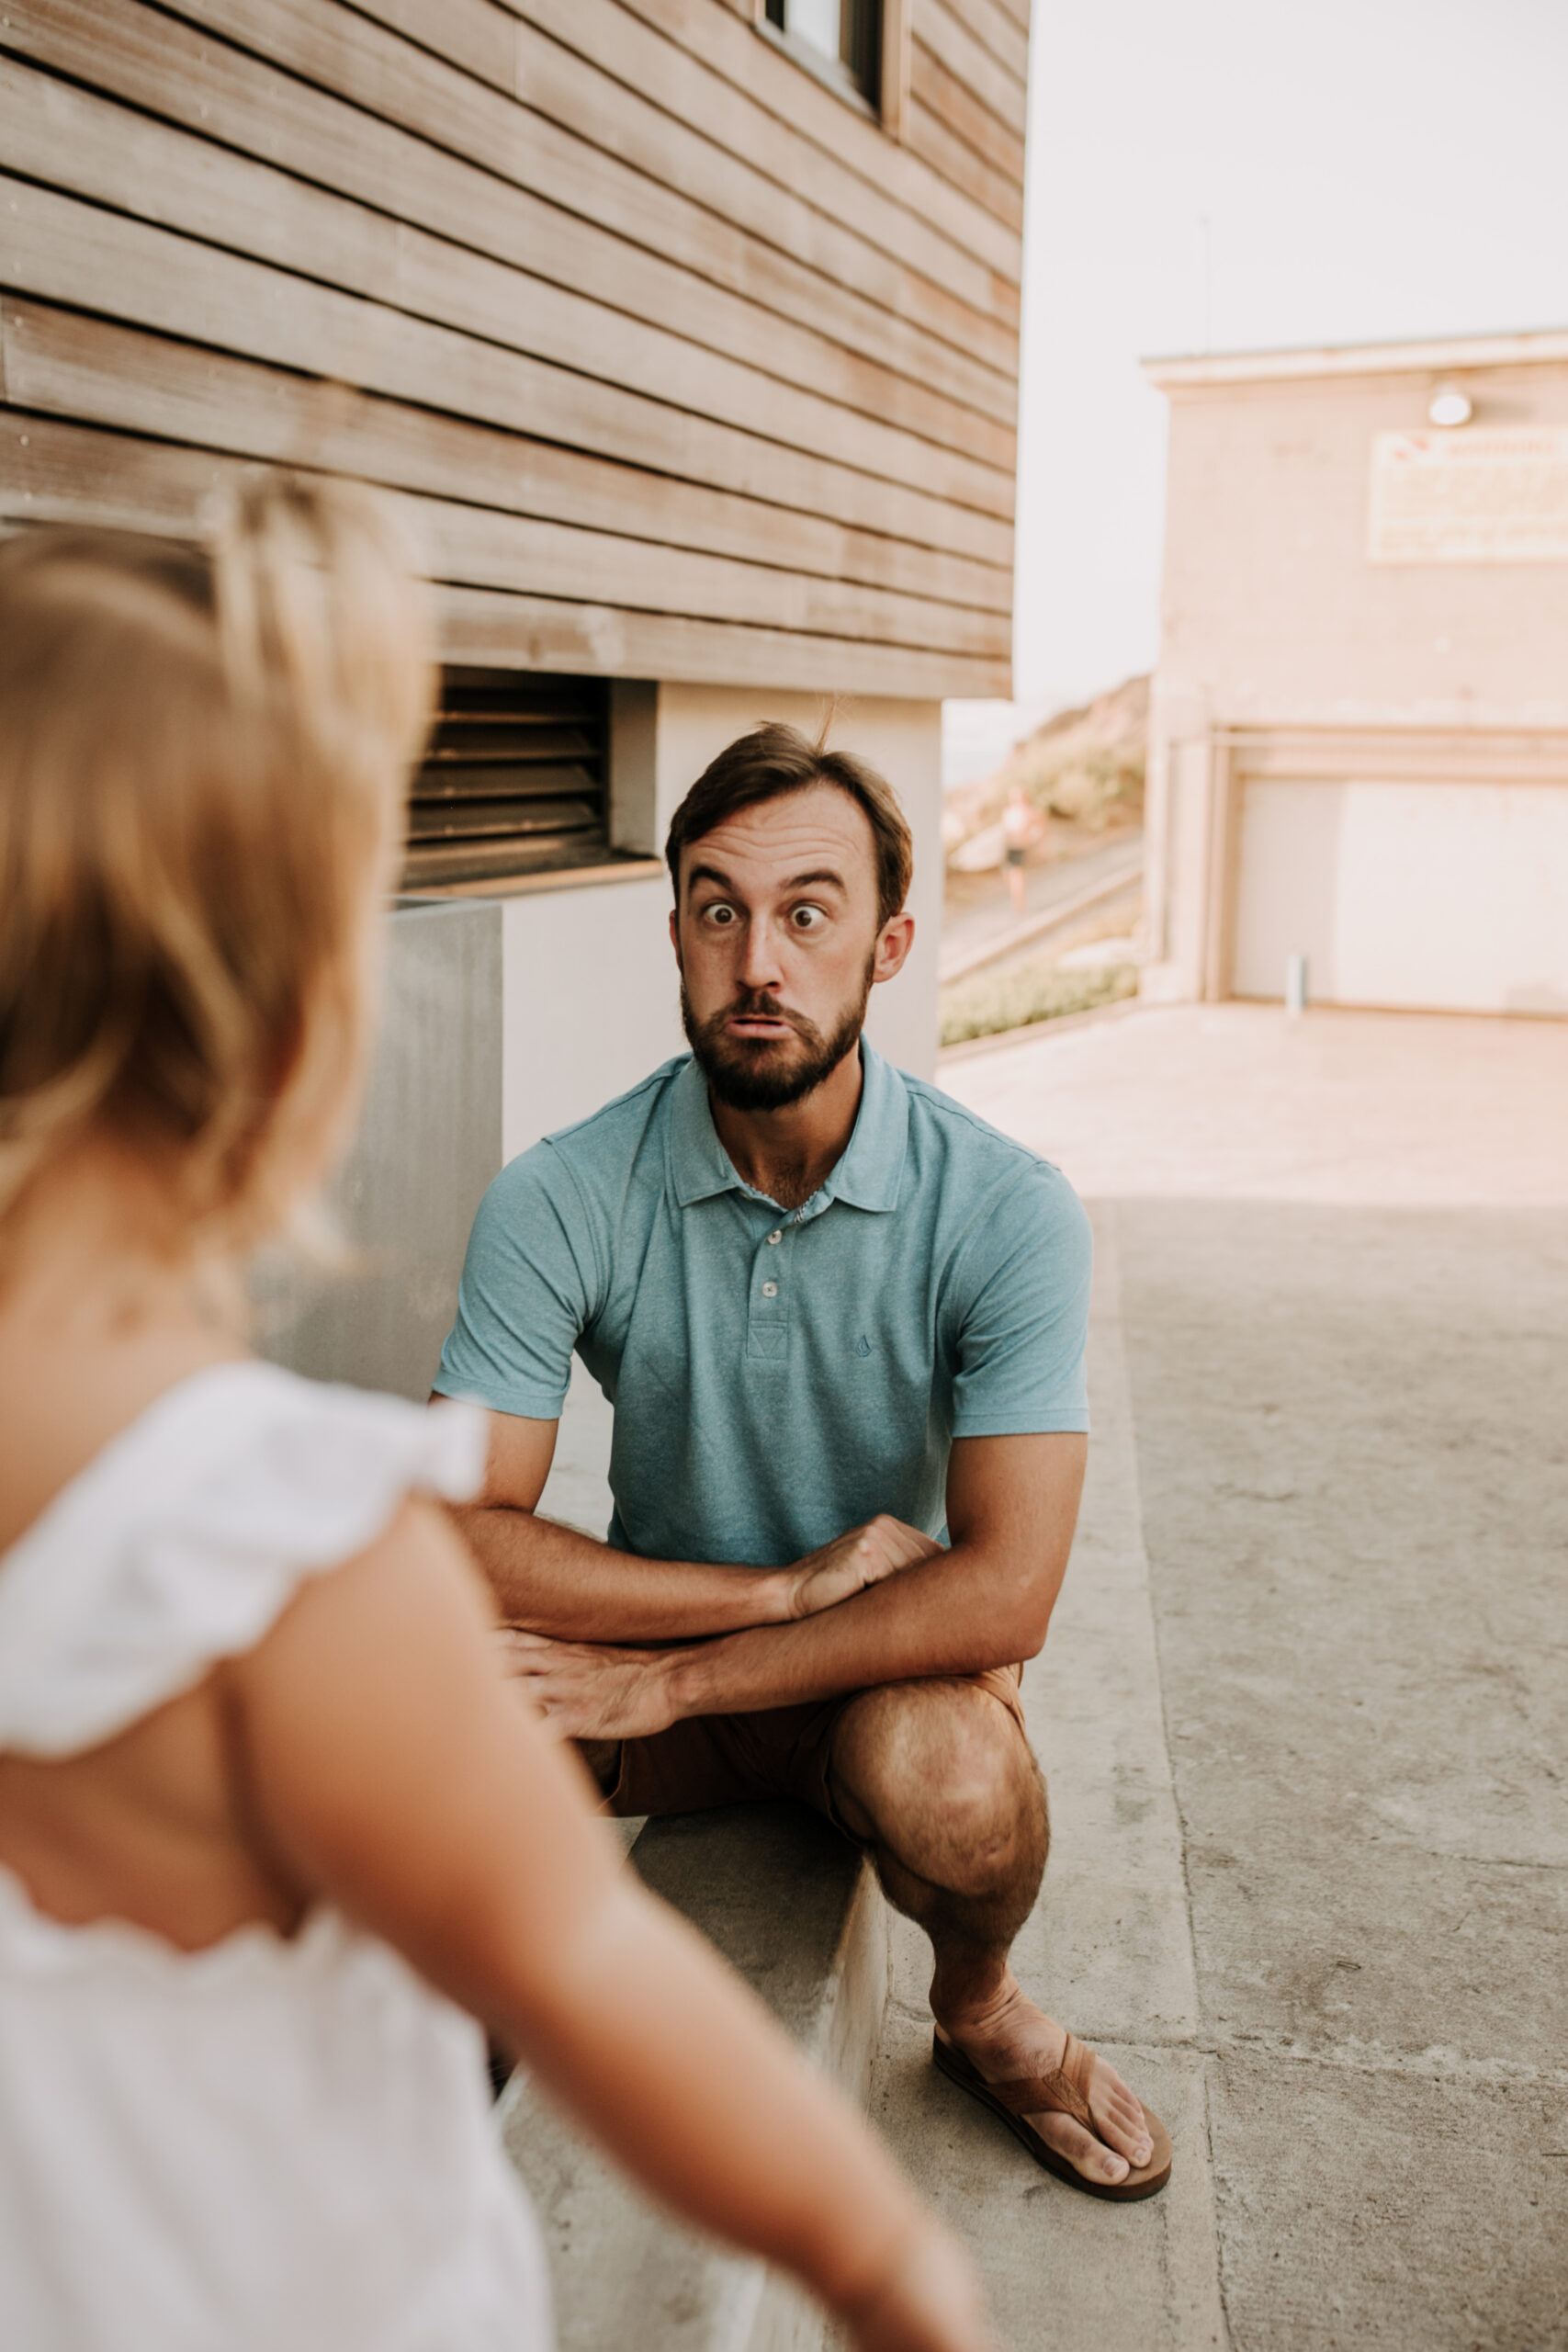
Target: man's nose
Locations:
point(760, 963)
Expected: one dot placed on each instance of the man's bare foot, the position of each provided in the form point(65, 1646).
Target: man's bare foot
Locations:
point(1008, 2037)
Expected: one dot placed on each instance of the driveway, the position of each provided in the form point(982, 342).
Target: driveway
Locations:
point(1305, 1708)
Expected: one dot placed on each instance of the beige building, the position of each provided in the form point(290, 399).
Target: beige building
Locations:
point(689, 329)
point(1360, 738)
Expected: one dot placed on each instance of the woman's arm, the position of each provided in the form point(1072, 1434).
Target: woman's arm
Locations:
point(392, 1769)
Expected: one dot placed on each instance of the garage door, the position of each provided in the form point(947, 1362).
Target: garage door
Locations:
point(1435, 897)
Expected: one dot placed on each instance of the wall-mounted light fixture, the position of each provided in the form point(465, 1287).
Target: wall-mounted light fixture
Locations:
point(1449, 406)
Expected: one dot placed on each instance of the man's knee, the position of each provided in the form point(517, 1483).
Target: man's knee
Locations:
point(940, 1774)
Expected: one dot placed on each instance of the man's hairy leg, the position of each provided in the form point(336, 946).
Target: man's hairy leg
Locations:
point(939, 1783)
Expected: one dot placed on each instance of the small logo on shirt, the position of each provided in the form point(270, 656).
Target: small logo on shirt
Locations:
point(862, 1346)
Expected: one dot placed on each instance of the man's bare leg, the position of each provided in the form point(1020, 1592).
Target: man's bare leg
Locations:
point(939, 1783)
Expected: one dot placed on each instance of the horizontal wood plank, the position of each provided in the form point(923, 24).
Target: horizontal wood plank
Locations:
point(361, 59)
point(963, 116)
point(63, 251)
point(166, 68)
point(531, 632)
point(556, 85)
point(632, 45)
point(102, 151)
point(1002, 30)
point(769, 75)
point(930, 136)
point(71, 363)
point(59, 472)
point(999, 91)
point(488, 626)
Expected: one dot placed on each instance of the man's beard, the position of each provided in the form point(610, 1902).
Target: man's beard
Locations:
point(767, 1073)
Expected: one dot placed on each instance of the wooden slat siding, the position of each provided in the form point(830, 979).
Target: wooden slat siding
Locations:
point(481, 625)
point(490, 627)
point(164, 67)
point(930, 136)
point(70, 363)
point(756, 65)
point(963, 116)
point(348, 54)
point(91, 259)
point(596, 112)
point(102, 151)
point(1019, 12)
point(997, 28)
point(629, 42)
point(58, 472)
point(999, 91)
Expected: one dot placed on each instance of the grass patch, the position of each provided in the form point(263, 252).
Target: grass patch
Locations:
point(987, 1003)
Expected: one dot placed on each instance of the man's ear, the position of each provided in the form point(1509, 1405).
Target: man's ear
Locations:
point(894, 941)
point(675, 933)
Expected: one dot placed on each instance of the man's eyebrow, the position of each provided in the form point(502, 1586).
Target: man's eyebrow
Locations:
point(696, 874)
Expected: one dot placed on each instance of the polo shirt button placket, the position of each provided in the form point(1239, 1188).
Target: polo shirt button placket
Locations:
point(768, 1335)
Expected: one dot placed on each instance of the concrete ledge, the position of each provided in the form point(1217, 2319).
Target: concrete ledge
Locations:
point(797, 1912)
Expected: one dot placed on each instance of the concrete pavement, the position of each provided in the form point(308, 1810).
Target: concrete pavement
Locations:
point(1307, 1765)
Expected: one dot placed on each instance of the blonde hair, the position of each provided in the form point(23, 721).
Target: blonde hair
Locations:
point(203, 751)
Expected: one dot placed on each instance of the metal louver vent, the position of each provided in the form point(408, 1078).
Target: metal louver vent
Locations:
point(515, 778)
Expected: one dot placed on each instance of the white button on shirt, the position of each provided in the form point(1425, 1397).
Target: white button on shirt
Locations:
point(774, 1238)
point(770, 1290)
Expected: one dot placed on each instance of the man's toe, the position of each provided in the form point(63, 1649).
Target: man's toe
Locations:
point(1083, 2151)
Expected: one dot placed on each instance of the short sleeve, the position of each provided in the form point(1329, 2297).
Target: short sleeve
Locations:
point(183, 1540)
point(1023, 1314)
point(529, 1289)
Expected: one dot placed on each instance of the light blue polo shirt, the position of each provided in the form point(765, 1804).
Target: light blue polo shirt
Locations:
point(778, 1376)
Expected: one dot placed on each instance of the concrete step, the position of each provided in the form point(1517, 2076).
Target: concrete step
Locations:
point(793, 1907)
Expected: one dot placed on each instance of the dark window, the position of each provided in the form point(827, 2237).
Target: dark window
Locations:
point(838, 39)
point(516, 778)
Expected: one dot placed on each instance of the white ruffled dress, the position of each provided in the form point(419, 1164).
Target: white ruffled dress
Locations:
point(274, 2144)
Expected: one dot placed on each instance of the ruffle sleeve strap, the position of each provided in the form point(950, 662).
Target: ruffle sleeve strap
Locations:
point(186, 1538)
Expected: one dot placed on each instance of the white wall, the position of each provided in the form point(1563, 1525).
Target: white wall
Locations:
point(1426, 896)
point(591, 1000)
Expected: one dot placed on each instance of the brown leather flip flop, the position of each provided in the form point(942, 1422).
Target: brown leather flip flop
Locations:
point(1063, 2092)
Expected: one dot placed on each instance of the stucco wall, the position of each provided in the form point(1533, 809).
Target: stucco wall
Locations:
point(1272, 613)
point(1358, 761)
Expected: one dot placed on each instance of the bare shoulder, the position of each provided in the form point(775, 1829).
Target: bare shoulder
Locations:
point(413, 1585)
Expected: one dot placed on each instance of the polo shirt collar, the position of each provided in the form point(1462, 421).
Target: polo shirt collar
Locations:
point(867, 1177)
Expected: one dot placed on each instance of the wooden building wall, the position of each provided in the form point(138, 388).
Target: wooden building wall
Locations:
point(694, 371)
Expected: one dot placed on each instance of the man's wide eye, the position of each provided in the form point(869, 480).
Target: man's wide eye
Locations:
point(808, 918)
point(721, 913)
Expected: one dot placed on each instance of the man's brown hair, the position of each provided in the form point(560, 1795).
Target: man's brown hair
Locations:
point(773, 759)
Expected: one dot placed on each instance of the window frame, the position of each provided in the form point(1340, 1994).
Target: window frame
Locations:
point(888, 105)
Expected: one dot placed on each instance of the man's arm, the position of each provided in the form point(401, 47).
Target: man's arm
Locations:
point(1012, 1505)
point(551, 1581)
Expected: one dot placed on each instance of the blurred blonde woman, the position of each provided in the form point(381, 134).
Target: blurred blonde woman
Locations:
point(274, 1832)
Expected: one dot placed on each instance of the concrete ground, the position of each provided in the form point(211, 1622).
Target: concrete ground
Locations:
point(1304, 1706)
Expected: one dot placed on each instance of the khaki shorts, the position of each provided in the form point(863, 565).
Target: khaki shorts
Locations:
point(783, 1752)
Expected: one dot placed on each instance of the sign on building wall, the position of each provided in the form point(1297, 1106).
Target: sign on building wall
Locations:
point(1473, 495)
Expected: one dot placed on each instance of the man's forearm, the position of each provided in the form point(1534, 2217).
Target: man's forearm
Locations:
point(959, 1614)
point(553, 1581)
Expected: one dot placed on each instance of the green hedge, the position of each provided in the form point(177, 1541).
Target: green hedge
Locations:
point(985, 1003)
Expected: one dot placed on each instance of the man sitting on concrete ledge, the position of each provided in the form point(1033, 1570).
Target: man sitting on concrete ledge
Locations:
point(841, 1323)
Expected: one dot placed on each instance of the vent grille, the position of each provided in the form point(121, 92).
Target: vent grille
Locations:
point(515, 779)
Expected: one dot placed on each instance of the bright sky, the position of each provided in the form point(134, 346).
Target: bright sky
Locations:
point(1234, 173)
